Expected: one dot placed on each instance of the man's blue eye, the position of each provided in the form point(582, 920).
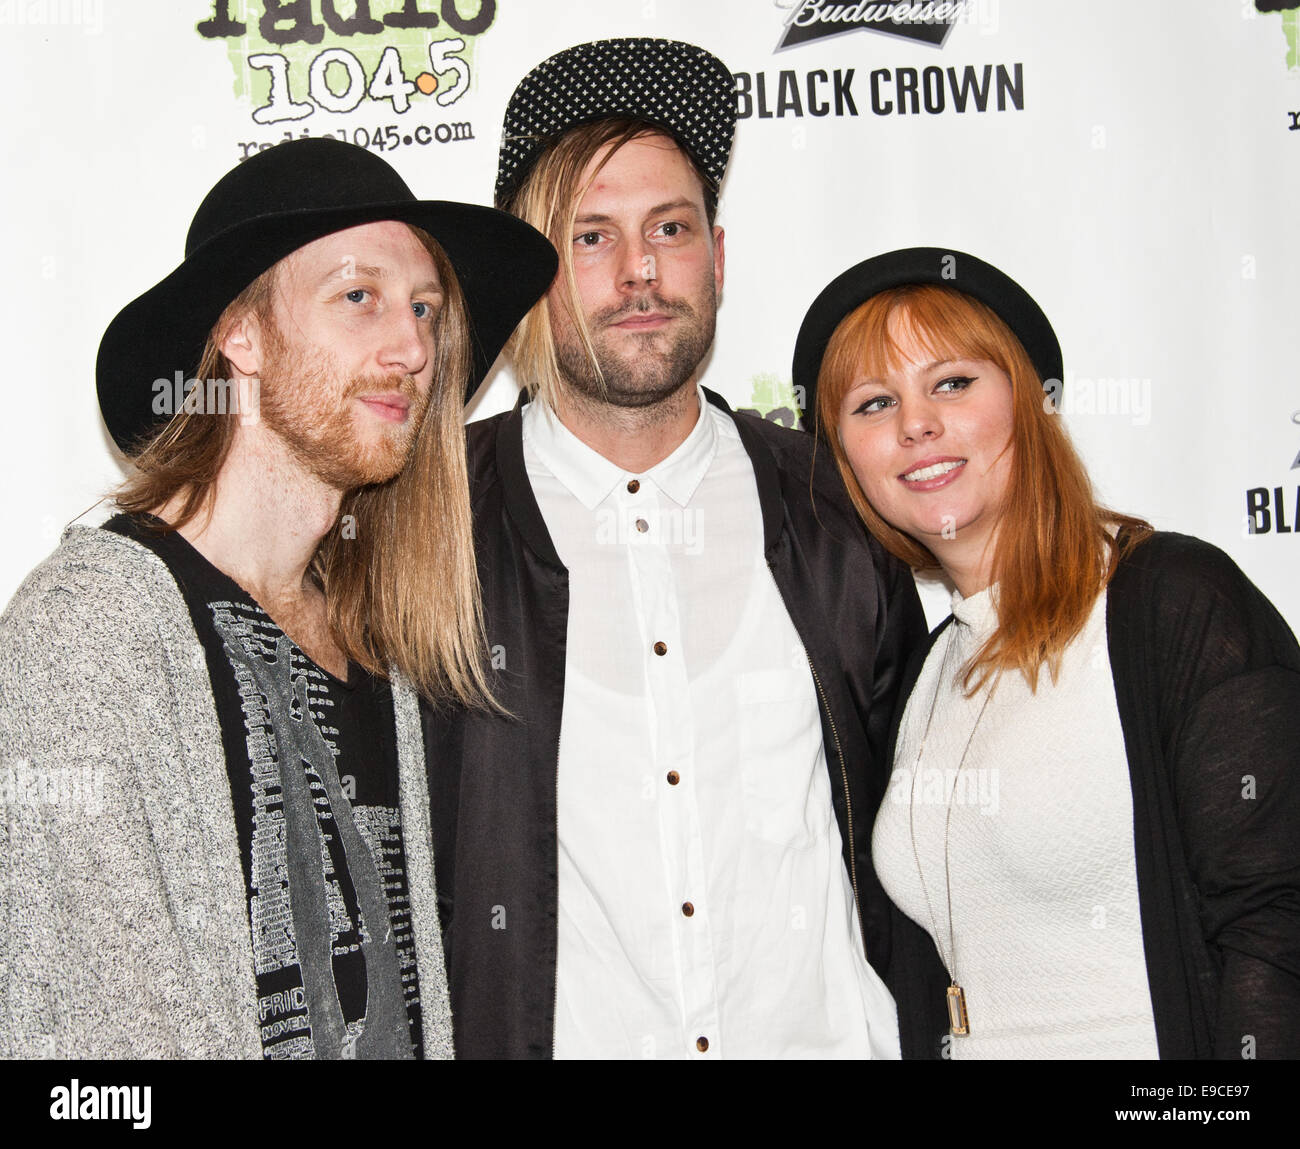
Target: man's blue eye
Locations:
point(356, 295)
point(422, 310)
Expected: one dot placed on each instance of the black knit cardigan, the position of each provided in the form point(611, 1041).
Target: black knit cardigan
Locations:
point(1207, 680)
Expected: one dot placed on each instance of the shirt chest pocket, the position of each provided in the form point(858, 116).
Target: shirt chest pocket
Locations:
point(784, 787)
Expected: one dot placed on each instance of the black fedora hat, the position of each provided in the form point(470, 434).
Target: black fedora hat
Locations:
point(681, 88)
point(266, 208)
point(937, 265)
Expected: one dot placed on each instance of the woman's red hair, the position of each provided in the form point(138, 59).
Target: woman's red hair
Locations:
point(1056, 547)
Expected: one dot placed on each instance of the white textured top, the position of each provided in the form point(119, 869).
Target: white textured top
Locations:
point(1045, 915)
point(702, 893)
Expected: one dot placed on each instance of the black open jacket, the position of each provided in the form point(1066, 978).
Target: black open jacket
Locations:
point(1207, 681)
point(492, 779)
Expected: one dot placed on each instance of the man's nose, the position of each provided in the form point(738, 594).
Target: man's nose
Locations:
point(638, 264)
point(406, 343)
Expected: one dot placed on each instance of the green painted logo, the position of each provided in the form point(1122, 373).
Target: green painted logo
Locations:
point(776, 399)
point(294, 59)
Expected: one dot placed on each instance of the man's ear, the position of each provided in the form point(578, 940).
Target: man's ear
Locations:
point(241, 344)
point(719, 257)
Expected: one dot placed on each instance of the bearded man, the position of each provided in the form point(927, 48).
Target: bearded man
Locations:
point(664, 849)
point(217, 838)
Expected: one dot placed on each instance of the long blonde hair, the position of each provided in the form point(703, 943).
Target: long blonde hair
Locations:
point(186, 455)
point(397, 569)
point(1056, 548)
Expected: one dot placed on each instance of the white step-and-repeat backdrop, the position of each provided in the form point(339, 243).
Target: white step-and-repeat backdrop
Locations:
point(1133, 164)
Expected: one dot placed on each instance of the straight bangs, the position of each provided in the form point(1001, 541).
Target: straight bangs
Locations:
point(944, 323)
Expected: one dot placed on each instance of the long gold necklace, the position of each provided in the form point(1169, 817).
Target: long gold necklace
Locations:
point(958, 1019)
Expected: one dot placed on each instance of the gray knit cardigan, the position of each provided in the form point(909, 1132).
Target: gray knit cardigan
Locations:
point(124, 927)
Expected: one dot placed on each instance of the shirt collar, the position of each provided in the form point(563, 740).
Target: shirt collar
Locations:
point(979, 612)
point(590, 477)
point(586, 474)
point(680, 475)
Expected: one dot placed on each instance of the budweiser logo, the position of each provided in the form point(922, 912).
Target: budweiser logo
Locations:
point(928, 21)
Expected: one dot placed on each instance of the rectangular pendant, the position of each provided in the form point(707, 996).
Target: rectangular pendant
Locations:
point(957, 1020)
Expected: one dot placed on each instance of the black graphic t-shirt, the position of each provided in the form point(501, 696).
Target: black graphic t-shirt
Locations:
point(313, 775)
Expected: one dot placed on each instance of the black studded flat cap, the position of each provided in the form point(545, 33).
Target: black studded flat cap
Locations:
point(678, 87)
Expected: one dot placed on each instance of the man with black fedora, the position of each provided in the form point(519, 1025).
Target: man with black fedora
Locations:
point(217, 838)
point(664, 850)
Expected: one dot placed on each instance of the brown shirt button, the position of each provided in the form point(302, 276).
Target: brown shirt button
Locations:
point(642, 525)
point(633, 485)
point(673, 777)
point(688, 910)
point(702, 1044)
point(661, 648)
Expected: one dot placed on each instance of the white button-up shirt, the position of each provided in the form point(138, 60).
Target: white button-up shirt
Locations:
point(705, 910)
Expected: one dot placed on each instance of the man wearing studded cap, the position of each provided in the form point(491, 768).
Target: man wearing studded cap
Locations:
point(664, 849)
point(216, 837)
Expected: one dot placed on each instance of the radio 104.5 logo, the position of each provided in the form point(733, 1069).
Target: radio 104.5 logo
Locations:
point(293, 58)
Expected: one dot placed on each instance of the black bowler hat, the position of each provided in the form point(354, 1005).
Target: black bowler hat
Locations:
point(678, 87)
point(269, 206)
point(936, 265)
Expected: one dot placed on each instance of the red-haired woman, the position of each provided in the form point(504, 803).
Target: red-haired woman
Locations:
point(1094, 813)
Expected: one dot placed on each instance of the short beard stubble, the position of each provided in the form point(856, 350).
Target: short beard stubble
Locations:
point(645, 380)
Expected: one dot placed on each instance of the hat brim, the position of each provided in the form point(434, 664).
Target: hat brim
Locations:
point(503, 265)
point(933, 265)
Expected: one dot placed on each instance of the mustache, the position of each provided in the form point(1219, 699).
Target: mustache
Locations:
point(641, 305)
point(378, 383)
